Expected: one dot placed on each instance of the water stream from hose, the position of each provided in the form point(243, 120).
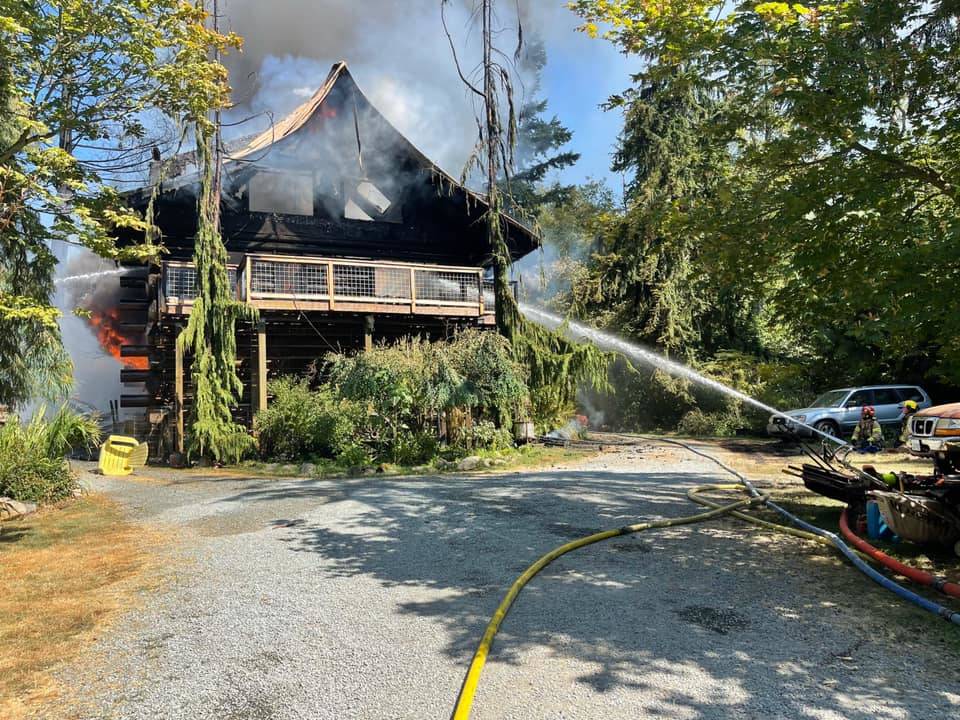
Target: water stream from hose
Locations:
point(609, 341)
point(86, 277)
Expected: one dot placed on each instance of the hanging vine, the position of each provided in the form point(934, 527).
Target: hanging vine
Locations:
point(556, 366)
point(210, 336)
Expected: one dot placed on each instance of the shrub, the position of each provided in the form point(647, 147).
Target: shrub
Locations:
point(33, 465)
point(493, 380)
point(301, 423)
point(484, 435)
point(415, 448)
point(720, 423)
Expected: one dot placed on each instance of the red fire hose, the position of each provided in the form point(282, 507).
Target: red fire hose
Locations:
point(918, 576)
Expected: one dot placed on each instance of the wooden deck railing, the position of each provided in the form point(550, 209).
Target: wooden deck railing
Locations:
point(336, 285)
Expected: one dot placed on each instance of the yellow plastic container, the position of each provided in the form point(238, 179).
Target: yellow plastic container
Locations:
point(121, 455)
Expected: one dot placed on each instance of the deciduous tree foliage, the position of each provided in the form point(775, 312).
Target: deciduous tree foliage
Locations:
point(78, 82)
point(840, 126)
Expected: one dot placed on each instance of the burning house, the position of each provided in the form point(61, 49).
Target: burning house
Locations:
point(339, 231)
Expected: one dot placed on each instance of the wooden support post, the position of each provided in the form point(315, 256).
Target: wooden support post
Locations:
point(368, 333)
point(261, 402)
point(331, 286)
point(480, 284)
point(179, 441)
point(413, 291)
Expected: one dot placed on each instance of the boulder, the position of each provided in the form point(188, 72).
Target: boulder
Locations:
point(308, 469)
point(11, 509)
point(469, 463)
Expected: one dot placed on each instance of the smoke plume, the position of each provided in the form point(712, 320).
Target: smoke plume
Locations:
point(397, 51)
point(91, 283)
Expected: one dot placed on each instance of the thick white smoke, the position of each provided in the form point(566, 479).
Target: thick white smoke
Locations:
point(397, 51)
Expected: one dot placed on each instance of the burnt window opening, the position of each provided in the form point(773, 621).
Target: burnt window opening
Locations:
point(367, 202)
point(285, 193)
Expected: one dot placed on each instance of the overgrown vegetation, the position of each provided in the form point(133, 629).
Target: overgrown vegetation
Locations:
point(33, 464)
point(398, 403)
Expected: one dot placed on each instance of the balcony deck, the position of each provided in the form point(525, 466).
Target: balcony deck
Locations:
point(333, 285)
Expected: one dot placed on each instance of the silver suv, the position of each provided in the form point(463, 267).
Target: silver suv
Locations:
point(837, 412)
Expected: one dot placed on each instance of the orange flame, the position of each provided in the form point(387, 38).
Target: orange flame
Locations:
point(107, 327)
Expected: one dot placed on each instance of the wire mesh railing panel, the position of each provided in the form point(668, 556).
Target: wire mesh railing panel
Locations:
point(447, 286)
point(392, 283)
point(180, 283)
point(354, 281)
point(270, 277)
point(489, 296)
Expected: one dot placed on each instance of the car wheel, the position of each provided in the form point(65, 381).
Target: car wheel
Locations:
point(827, 426)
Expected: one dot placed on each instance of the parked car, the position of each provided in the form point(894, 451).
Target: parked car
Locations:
point(935, 432)
point(837, 412)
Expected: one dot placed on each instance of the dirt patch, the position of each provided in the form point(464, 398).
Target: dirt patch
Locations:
point(67, 573)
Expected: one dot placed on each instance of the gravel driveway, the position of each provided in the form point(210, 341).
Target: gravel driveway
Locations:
point(365, 598)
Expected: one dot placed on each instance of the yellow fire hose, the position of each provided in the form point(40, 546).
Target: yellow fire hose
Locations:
point(461, 710)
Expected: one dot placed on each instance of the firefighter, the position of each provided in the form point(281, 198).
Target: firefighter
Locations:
point(867, 435)
point(910, 408)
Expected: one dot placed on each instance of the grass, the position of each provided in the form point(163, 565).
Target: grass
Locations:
point(67, 572)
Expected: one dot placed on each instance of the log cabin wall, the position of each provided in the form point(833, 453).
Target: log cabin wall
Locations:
point(338, 230)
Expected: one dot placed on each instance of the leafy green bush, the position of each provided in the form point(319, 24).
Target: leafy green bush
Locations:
point(300, 422)
point(33, 465)
point(719, 423)
point(388, 404)
point(415, 448)
point(484, 435)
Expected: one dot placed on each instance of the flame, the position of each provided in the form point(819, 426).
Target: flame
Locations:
point(107, 327)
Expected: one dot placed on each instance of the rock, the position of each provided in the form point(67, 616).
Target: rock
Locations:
point(469, 463)
point(308, 469)
point(369, 471)
point(442, 464)
point(11, 509)
point(488, 463)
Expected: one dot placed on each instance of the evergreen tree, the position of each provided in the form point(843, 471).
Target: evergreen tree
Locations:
point(210, 335)
point(539, 141)
point(556, 366)
point(649, 275)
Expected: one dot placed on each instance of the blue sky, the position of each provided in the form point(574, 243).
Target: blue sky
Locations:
point(581, 74)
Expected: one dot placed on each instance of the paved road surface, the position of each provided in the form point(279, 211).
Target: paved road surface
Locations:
point(364, 599)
